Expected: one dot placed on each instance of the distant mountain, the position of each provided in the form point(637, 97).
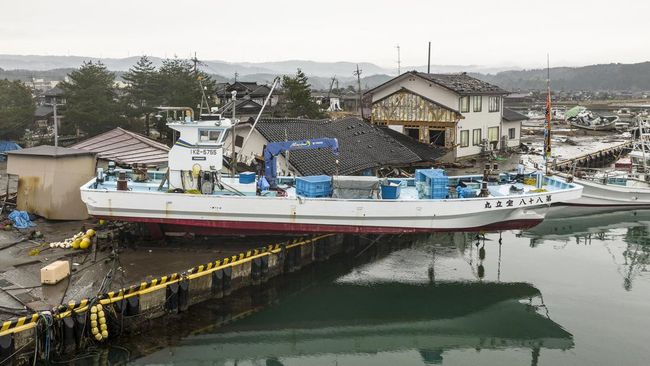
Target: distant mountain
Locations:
point(628, 77)
point(595, 77)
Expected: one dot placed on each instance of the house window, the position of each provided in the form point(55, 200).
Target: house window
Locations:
point(494, 103)
point(476, 137)
point(464, 138)
point(477, 100)
point(209, 136)
point(464, 104)
point(511, 133)
point(493, 134)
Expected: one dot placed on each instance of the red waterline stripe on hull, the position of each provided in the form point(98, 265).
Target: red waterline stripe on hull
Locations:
point(207, 227)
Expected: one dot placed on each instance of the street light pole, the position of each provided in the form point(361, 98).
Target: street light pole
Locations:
point(56, 124)
point(233, 159)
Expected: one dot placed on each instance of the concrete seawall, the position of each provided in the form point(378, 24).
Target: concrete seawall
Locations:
point(71, 328)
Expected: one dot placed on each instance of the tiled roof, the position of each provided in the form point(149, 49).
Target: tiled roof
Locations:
point(424, 151)
point(462, 83)
point(125, 147)
point(362, 145)
point(512, 116)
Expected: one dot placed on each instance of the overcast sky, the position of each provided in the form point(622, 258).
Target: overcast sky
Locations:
point(468, 32)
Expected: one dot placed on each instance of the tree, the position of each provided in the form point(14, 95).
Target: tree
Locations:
point(179, 85)
point(16, 109)
point(143, 90)
point(91, 105)
point(297, 97)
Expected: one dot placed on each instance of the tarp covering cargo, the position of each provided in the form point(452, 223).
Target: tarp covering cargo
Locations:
point(355, 187)
point(573, 112)
point(7, 146)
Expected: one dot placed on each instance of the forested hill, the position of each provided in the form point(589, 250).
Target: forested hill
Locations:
point(632, 77)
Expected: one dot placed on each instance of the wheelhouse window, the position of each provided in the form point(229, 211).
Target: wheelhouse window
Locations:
point(464, 104)
point(464, 138)
point(476, 137)
point(209, 136)
point(494, 104)
point(477, 101)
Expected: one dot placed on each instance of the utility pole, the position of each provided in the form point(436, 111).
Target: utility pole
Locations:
point(358, 75)
point(233, 158)
point(56, 124)
point(399, 62)
point(429, 60)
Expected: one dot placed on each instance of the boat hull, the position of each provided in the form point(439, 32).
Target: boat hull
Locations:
point(282, 215)
point(601, 198)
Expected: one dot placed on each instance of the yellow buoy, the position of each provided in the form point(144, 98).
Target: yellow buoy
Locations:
point(102, 221)
point(85, 243)
point(102, 320)
point(99, 306)
point(93, 316)
point(100, 314)
point(76, 243)
point(98, 337)
point(93, 323)
point(105, 334)
point(94, 331)
point(103, 327)
point(90, 233)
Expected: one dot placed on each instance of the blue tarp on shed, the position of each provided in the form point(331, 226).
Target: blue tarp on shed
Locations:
point(7, 146)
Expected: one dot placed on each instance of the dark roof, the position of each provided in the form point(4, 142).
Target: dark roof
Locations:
point(462, 83)
point(43, 111)
point(243, 106)
point(54, 92)
point(512, 116)
point(459, 83)
point(424, 151)
point(51, 151)
point(362, 145)
point(125, 147)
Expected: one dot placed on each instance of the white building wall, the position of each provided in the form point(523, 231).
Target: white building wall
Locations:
point(254, 146)
point(517, 126)
point(477, 120)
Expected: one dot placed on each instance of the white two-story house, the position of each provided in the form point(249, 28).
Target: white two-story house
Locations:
point(457, 111)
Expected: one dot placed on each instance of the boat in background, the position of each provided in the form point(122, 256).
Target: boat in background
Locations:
point(194, 195)
point(589, 121)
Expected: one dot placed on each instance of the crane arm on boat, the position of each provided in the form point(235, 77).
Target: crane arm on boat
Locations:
point(273, 149)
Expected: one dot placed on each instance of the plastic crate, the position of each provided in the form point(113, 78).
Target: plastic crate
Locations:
point(246, 177)
point(390, 192)
point(314, 186)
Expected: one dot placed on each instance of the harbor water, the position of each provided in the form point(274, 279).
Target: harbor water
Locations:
point(567, 292)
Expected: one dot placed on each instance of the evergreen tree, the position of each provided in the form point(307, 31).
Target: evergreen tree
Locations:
point(143, 92)
point(91, 105)
point(16, 109)
point(179, 85)
point(297, 97)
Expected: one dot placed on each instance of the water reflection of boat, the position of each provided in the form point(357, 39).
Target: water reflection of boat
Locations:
point(557, 228)
point(357, 319)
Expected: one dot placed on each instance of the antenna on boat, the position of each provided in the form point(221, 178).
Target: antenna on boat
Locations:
point(199, 78)
point(547, 126)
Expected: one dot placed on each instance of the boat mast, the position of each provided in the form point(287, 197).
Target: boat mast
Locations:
point(547, 127)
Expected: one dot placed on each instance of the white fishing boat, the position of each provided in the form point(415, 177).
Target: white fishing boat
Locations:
point(611, 190)
point(588, 121)
point(194, 195)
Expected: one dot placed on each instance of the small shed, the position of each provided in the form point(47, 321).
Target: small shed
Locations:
point(49, 179)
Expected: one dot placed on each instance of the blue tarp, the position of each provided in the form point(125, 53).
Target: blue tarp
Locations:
point(7, 146)
point(20, 219)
